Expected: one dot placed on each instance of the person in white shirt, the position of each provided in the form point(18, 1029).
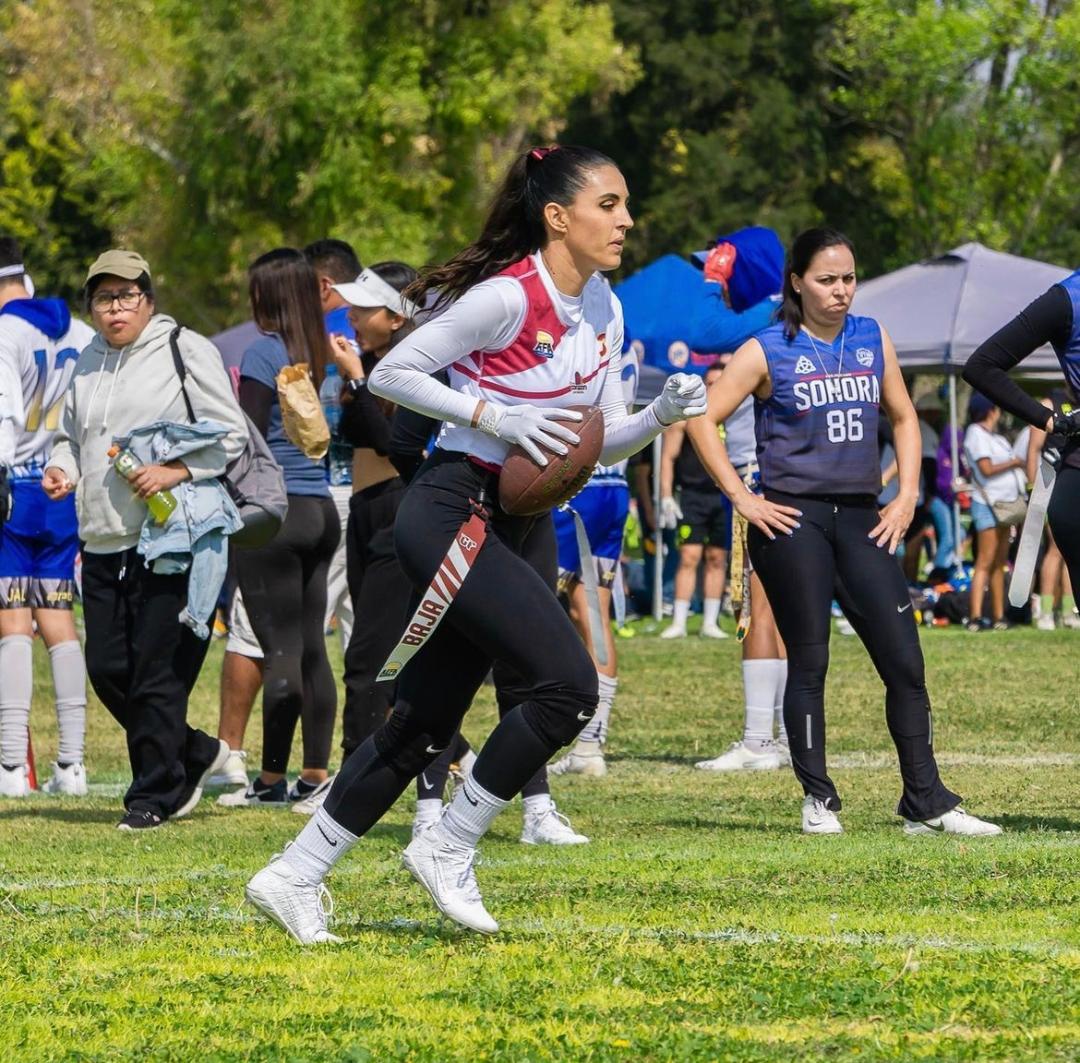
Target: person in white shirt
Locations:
point(998, 477)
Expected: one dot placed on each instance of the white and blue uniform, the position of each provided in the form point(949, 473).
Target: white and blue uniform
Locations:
point(39, 346)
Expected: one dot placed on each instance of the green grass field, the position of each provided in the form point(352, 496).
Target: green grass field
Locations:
point(698, 924)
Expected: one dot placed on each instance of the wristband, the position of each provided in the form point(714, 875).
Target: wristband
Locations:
point(356, 385)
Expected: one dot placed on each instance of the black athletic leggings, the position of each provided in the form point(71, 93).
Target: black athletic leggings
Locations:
point(539, 550)
point(503, 612)
point(284, 589)
point(830, 555)
point(1064, 515)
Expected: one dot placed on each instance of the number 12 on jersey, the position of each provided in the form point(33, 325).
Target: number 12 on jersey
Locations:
point(844, 425)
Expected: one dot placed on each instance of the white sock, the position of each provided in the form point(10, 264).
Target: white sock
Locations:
point(16, 689)
point(69, 682)
point(536, 804)
point(470, 812)
point(680, 613)
point(320, 845)
point(428, 809)
point(781, 686)
point(759, 684)
point(596, 729)
point(711, 613)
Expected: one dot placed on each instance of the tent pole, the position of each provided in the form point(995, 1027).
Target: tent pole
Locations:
point(658, 536)
point(955, 448)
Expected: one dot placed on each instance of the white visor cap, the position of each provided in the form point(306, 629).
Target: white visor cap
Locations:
point(369, 290)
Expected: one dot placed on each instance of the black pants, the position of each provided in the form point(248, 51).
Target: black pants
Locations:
point(381, 593)
point(1064, 515)
point(284, 589)
point(143, 663)
point(503, 612)
point(540, 552)
point(832, 554)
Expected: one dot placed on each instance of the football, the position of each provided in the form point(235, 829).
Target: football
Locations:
point(526, 489)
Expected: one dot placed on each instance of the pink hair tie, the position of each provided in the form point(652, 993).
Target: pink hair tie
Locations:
point(541, 153)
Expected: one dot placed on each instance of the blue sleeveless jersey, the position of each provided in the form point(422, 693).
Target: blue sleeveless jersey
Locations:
point(817, 431)
point(1069, 355)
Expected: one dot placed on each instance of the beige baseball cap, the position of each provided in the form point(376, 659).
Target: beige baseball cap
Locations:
point(118, 263)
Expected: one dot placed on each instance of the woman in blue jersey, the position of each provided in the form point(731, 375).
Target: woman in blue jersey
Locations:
point(1052, 318)
point(819, 378)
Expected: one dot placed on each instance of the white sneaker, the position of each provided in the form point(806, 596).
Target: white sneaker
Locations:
point(957, 821)
point(580, 764)
point(70, 780)
point(673, 631)
point(310, 803)
point(1071, 620)
point(445, 870)
point(1045, 622)
point(195, 795)
point(817, 819)
point(299, 906)
point(740, 758)
point(549, 827)
point(14, 781)
point(234, 773)
point(843, 625)
point(713, 631)
point(783, 751)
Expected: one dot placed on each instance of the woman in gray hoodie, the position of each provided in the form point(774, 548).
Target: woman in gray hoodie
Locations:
point(141, 661)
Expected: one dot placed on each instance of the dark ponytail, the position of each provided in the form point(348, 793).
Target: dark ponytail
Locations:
point(515, 223)
point(803, 249)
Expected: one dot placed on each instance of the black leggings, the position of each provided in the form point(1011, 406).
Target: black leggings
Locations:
point(284, 589)
point(1064, 514)
point(832, 554)
point(540, 552)
point(381, 593)
point(503, 612)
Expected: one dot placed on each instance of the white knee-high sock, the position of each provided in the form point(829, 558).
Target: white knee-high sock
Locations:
point(470, 812)
point(596, 730)
point(781, 686)
point(69, 682)
point(16, 688)
point(759, 684)
point(320, 845)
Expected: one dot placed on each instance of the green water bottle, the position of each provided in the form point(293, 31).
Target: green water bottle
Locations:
point(160, 503)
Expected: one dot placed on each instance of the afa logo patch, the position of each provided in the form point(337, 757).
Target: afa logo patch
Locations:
point(545, 345)
point(804, 365)
point(865, 357)
point(678, 354)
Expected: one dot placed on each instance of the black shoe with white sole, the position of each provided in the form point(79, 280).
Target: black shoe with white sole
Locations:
point(138, 819)
point(193, 792)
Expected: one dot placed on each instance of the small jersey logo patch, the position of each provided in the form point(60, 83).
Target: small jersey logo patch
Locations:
point(545, 345)
point(804, 365)
point(678, 354)
point(865, 357)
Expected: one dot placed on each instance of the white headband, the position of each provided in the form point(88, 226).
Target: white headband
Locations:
point(14, 271)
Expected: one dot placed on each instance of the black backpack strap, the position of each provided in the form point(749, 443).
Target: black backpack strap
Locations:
point(181, 369)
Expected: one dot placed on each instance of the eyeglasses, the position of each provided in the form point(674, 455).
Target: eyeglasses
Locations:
point(126, 300)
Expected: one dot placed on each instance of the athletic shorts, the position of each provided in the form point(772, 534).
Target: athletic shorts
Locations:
point(706, 518)
point(982, 516)
point(241, 638)
point(38, 547)
point(603, 509)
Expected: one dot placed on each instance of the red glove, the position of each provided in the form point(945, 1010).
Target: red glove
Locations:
point(720, 264)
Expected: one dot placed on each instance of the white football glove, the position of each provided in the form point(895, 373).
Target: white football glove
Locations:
point(683, 397)
point(530, 427)
point(670, 513)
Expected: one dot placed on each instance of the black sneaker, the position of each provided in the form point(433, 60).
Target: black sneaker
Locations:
point(256, 793)
point(193, 791)
point(137, 819)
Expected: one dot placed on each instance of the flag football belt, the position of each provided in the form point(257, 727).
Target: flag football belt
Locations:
point(437, 599)
point(740, 555)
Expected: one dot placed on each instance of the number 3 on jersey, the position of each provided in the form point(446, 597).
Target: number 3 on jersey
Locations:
point(844, 425)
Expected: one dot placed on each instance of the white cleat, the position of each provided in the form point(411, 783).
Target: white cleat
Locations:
point(580, 764)
point(673, 631)
point(783, 750)
point(310, 803)
point(234, 772)
point(1071, 620)
point(549, 827)
point(740, 758)
point(817, 819)
point(956, 821)
point(297, 905)
point(1045, 622)
point(69, 781)
point(713, 631)
point(14, 782)
point(445, 870)
point(422, 820)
